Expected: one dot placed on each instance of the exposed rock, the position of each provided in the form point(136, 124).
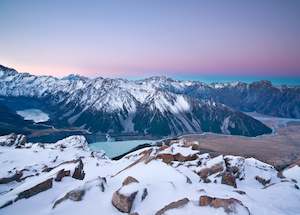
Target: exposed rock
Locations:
point(280, 175)
point(235, 166)
point(240, 192)
point(129, 180)
point(74, 195)
point(145, 194)
point(13, 140)
point(43, 186)
point(166, 158)
point(204, 173)
point(78, 193)
point(62, 173)
point(229, 205)
point(229, 179)
point(16, 177)
point(262, 180)
point(177, 204)
point(188, 180)
point(79, 173)
point(179, 157)
point(123, 202)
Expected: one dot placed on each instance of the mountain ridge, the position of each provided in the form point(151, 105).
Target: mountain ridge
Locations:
point(105, 105)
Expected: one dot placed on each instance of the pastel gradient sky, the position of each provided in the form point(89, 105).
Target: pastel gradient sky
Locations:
point(143, 38)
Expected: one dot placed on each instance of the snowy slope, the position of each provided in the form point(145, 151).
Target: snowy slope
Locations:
point(171, 179)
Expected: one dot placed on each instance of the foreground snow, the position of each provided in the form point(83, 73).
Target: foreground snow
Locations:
point(174, 178)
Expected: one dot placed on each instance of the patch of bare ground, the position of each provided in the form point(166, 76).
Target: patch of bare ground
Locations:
point(279, 149)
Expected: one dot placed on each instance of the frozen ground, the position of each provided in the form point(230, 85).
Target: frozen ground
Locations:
point(35, 115)
point(176, 178)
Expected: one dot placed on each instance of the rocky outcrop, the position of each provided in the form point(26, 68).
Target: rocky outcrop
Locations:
point(129, 180)
point(235, 166)
point(173, 205)
point(61, 174)
point(229, 179)
point(168, 158)
point(74, 195)
point(123, 202)
point(43, 186)
point(229, 205)
point(78, 193)
point(13, 140)
point(15, 177)
point(79, 172)
point(204, 173)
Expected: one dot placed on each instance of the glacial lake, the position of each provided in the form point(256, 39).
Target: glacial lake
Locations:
point(116, 148)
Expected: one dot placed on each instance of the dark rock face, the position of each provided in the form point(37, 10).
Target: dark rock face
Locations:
point(145, 194)
point(46, 185)
point(262, 180)
point(79, 172)
point(177, 204)
point(61, 174)
point(228, 179)
point(16, 177)
point(229, 205)
point(122, 202)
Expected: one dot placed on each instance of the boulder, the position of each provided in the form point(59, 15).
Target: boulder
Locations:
point(123, 202)
point(229, 205)
point(204, 173)
point(177, 204)
point(79, 173)
point(61, 174)
point(229, 179)
point(166, 158)
point(129, 180)
point(43, 186)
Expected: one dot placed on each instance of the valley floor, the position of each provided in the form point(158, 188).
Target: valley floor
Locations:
point(279, 149)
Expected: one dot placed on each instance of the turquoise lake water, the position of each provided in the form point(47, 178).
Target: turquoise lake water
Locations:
point(115, 148)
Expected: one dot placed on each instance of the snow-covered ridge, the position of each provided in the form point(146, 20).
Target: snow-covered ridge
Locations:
point(118, 105)
point(97, 92)
point(174, 177)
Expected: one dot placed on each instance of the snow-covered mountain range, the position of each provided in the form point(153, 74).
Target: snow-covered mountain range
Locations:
point(173, 177)
point(158, 105)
